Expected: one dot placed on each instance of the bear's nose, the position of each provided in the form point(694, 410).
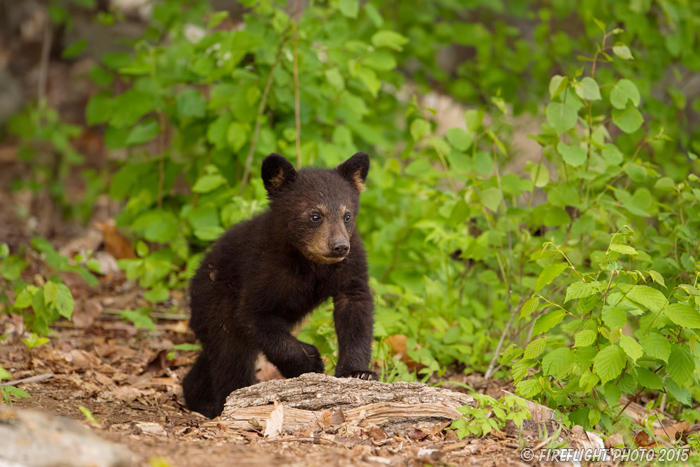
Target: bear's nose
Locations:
point(341, 248)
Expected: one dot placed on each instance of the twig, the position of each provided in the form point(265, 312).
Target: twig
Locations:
point(261, 109)
point(300, 440)
point(31, 379)
point(490, 370)
point(297, 104)
point(44, 66)
point(161, 160)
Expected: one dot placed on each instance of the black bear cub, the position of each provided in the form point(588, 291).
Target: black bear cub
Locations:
point(265, 274)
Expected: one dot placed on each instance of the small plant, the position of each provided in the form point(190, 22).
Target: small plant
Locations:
point(490, 414)
point(48, 298)
point(10, 393)
point(184, 347)
point(88, 415)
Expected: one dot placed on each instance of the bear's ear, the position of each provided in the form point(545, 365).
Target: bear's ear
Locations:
point(355, 170)
point(277, 172)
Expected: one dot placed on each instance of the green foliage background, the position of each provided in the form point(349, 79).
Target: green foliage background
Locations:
point(581, 272)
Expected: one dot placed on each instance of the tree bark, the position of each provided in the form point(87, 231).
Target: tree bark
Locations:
point(331, 403)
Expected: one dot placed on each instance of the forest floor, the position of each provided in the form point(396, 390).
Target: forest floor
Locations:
point(124, 377)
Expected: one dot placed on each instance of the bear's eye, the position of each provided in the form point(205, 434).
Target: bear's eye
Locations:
point(315, 217)
point(347, 218)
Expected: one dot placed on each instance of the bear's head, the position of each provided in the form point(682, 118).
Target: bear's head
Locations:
point(316, 207)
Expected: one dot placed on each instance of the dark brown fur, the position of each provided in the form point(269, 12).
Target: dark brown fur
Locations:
point(264, 275)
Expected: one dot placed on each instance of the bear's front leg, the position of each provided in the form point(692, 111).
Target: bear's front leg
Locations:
point(291, 356)
point(353, 315)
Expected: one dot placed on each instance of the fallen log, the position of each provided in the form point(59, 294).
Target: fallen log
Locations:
point(325, 402)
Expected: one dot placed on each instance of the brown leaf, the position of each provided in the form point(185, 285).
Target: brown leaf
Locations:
point(82, 359)
point(673, 431)
point(377, 434)
point(274, 424)
point(115, 244)
point(127, 393)
point(417, 434)
point(86, 312)
point(337, 417)
point(643, 440)
point(103, 379)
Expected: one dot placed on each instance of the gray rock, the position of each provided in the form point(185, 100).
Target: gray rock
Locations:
point(34, 439)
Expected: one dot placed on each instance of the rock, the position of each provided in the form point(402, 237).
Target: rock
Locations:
point(36, 439)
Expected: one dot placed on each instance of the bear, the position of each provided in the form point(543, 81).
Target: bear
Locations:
point(266, 274)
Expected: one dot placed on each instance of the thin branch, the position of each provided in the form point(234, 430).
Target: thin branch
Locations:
point(163, 121)
point(31, 379)
point(490, 370)
point(44, 66)
point(258, 119)
point(297, 103)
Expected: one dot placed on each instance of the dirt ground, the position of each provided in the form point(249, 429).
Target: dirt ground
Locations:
point(126, 380)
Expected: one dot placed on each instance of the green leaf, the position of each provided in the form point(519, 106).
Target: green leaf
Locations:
point(648, 379)
point(535, 348)
point(217, 134)
point(208, 183)
point(529, 306)
point(389, 39)
point(588, 381)
point(374, 15)
point(561, 116)
point(628, 120)
point(623, 249)
point(681, 364)
point(683, 315)
point(623, 91)
point(460, 213)
point(370, 80)
point(539, 174)
point(557, 85)
point(143, 132)
point(609, 363)
point(546, 322)
point(548, 274)
point(157, 225)
point(622, 51)
point(656, 346)
point(614, 316)
point(191, 103)
point(216, 18)
point(349, 8)
point(631, 347)
point(237, 135)
point(139, 318)
point(585, 338)
point(649, 298)
point(555, 362)
point(64, 301)
point(335, 79)
point(491, 198)
point(419, 128)
point(99, 109)
point(459, 139)
point(583, 289)
point(656, 277)
point(75, 49)
point(50, 292)
point(681, 394)
point(573, 155)
point(129, 107)
point(473, 119)
point(529, 388)
point(589, 89)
